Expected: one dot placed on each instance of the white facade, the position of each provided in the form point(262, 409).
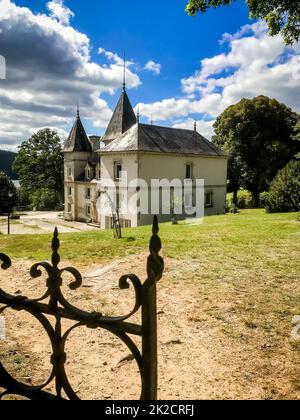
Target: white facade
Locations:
point(85, 198)
point(142, 152)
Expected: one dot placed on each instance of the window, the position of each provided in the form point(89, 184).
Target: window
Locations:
point(88, 193)
point(69, 171)
point(188, 171)
point(88, 210)
point(88, 174)
point(69, 191)
point(99, 174)
point(125, 223)
point(118, 170)
point(69, 208)
point(209, 199)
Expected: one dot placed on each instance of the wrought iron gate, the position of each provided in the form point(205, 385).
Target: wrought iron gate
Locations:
point(59, 308)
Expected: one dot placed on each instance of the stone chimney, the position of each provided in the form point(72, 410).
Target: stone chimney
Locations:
point(95, 140)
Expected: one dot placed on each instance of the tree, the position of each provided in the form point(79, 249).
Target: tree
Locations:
point(281, 16)
point(8, 194)
point(296, 135)
point(284, 195)
point(258, 135)
point(44, 199)
point(40, 162)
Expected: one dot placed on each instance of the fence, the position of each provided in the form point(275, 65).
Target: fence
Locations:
point(58, 308)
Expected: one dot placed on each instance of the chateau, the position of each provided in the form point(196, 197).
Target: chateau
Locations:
point(145, 152)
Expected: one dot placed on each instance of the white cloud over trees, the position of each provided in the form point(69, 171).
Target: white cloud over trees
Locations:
point(254, 64)
point(49, 68)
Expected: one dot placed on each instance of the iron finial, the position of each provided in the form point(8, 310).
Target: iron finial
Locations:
point(155, 242)
point(124, 73)
point(55, 247)
point(155, 226)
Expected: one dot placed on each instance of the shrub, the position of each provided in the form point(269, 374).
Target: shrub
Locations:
point(44, 199)
point(284, 195)
point(263, 199)
point(244, 200)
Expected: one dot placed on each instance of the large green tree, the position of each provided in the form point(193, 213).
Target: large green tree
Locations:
point(39, 163)
point(297, 135)
point(8, 194)
point(258, 135)
point(282, 16)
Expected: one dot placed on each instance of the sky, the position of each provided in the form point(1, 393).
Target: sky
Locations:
point(180, 69)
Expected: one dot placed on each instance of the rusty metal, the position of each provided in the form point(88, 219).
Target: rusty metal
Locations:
point(58, 308)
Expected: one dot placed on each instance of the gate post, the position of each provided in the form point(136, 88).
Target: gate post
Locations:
point(155, 268)
point(149, 343)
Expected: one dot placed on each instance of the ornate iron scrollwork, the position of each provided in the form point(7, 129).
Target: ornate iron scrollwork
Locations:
point(59, 308)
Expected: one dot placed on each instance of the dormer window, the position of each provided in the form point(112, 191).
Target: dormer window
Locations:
point(98, 170)
point(88, 172)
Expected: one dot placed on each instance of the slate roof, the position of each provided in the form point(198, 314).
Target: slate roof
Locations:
point(122, 120)
point(151, 138)
point(78, 141)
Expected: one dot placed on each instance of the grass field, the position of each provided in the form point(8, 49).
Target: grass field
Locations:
point(235, 279)
point(227, 240)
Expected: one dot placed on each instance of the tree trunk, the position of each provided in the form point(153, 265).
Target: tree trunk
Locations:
point(235, 197)
point(255, 198)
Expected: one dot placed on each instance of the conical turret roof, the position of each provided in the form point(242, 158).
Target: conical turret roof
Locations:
point(122, 120)
point(78, 140)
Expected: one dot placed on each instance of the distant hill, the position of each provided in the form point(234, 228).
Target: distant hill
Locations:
point(6, 162)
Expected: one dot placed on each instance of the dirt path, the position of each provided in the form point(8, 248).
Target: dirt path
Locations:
point(33, 223)
point(205, 350)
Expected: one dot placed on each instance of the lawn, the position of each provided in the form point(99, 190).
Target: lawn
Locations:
point(226, 240)
point(227, 298)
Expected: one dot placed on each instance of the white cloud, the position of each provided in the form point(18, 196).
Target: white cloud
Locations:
point(49, 68)
point(153, 67)
point(115, 58)
point(60, 12)
point(255, 64)
point(203, 127)
point(165, 110)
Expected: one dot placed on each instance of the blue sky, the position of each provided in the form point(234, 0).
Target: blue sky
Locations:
point(193, 70)
point(162, 32)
